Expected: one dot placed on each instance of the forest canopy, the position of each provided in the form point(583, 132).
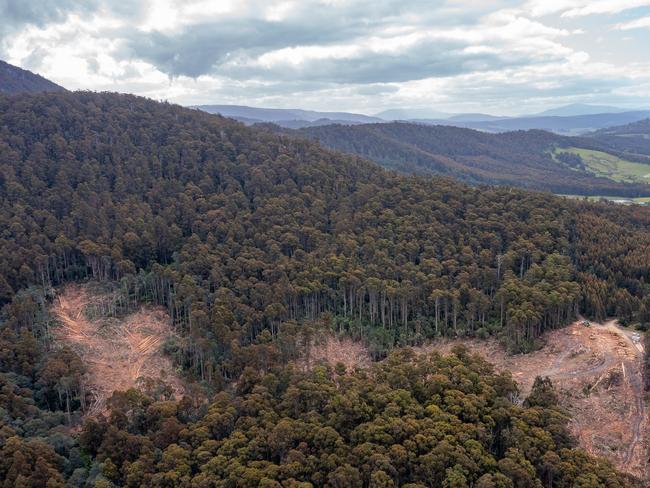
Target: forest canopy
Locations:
point(523, 159)
point(252, 239)
point(238, 231)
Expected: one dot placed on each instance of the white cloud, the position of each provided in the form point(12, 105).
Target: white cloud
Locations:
point(642, 23)
point(605, 7)
point(578, 8)
point(361, 55)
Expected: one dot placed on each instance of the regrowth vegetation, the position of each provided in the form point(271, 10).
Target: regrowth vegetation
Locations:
point(425, 421)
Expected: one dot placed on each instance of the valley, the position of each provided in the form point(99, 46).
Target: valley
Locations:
point(609, 165)
point(531, 159)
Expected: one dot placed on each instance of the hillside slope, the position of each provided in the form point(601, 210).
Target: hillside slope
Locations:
point(106, 185)
point(17, 80)
point(253, 241)
point(631, 139)
point(523, 159)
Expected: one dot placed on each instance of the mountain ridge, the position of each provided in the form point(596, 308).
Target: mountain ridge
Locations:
point(521, 158)
point(17, 80)
point(248, 114)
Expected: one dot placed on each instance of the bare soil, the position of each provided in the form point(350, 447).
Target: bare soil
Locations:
point(119, 353)
point(332, 350)
point(597, 371)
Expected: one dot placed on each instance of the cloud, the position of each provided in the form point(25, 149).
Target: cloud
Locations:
point(340, 45)
point(17, 14)
point(580, 8)
point(361, 55)
point(641, 23)
point(605, 7)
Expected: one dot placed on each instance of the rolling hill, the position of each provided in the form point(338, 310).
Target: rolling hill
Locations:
point(290, 118)
point(525, 159)
point(630, 139)
point(565, 125)
point(17, 80)
point(255, 243)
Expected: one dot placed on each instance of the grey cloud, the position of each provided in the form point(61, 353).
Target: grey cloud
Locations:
point(423, 60)
point(199, 49)
point(16, 14)
point(517, 96)
point(205, 48)
point(229, 46)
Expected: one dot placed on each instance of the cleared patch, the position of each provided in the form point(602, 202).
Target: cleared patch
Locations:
point(330, 349)
point(119, 353)
point(597, 371)
point(610, 166)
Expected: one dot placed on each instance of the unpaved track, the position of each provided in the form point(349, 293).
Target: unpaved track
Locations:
point(635, 380)
point(598, 373)
point(117, 353)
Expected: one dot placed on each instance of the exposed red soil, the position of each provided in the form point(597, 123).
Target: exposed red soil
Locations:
point(596, 371)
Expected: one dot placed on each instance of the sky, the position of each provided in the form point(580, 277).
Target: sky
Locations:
point(503, 57)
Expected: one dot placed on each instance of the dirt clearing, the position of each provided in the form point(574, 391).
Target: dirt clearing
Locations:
point(597, 372)
point(330, 349)
point(117, 352)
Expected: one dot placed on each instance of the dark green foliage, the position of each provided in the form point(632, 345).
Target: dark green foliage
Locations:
point(249, 239)
point(40, 396)
point(238, 231)
point(571, 159)
point(523, 158)
point(408, 421)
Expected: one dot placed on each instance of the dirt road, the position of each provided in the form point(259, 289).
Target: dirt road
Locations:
point(598, 373)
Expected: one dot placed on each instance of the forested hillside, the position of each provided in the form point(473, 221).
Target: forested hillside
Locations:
point(17, 80)
point(630, 139)
point(248, 230)
point(251, 240)
point(522, 159)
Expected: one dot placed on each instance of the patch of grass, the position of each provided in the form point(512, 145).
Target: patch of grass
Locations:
point(610, 166)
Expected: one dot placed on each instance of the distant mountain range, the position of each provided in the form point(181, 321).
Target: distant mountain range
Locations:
point(18, 80)
point(412, 114)
point(581, 109)
point(563, 111)
point(292, 118)
point(576, 119)
point(566, 125)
